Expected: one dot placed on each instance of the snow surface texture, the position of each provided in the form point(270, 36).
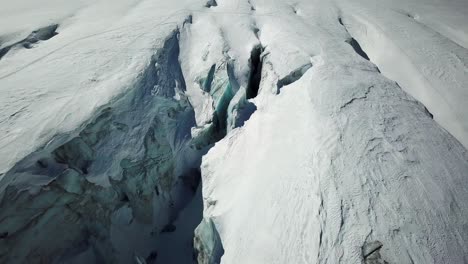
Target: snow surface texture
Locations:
point(340, 127)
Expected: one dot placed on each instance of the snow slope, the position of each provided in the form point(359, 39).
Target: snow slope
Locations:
point(425, 52)
point(340, 131)
point(342, 166)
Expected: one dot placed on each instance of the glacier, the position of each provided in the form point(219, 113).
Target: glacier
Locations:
point(234, 131)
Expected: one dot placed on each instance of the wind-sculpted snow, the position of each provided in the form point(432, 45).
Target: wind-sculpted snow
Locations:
point(294, 115)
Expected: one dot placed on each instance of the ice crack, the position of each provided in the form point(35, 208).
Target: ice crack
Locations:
point(357, 98)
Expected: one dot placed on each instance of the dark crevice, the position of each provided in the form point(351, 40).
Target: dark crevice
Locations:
point(209, 79)
point(357, 48)
point(256, 32)
point(406, 13)
point(169, 228)
point(124, 198)
point(229, 114)
point(428, 113)
point(36, 36)
point(411, 16)
point(4, 51)
point(42, 163)
point(371, 253)
point(211, 3)
point(412, 260)
point(252, 7)
point(244, 114)
point(353, 42)
point(188, 20)
point(340, 21)
point(294, 9)
point(294, 75)
point(354, 99)
point(191, 179)
point(370, 248)
point(41, 34)
point(219, 128)
point(152, 257)
point(256, 64)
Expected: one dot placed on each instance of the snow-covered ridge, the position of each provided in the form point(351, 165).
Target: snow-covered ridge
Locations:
point(342, 166)
point(321, 156)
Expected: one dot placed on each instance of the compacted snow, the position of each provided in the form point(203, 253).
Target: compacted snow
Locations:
point(321, 131)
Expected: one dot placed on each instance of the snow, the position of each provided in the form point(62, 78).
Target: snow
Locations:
point(342, 159)
point(54, 87)
point(431, 67)
point(353, 150)
point(85, 116)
